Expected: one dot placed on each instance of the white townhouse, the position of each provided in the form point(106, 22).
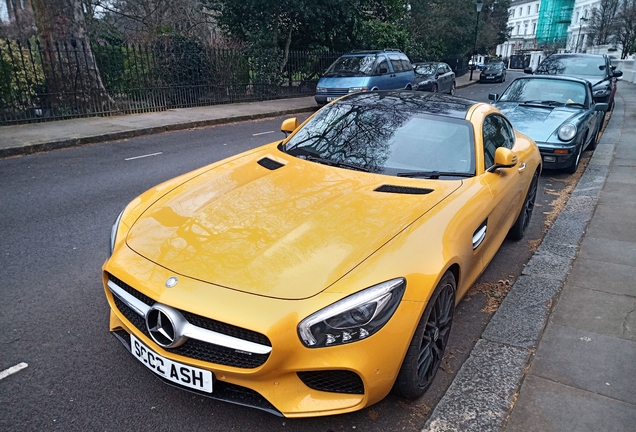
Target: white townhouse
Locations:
point(523, 16)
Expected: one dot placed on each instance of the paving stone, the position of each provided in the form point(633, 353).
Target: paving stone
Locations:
point(588, 361)
point(597, 311)
point(546, 406)
point(608, 250)
point(605, 276)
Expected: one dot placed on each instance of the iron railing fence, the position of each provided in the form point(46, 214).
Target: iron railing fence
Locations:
point(43, 80)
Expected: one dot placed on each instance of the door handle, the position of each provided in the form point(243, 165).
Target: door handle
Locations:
point(522, 167)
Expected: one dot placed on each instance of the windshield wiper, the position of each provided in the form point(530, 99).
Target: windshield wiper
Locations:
point(546, 103)
point(334, 163)
point(432, 174)
point(569, 104)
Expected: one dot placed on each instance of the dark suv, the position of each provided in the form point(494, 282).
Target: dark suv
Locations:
point(595, 68)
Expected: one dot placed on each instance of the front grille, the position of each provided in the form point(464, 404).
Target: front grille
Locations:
point(333, 381)
point(196, 349)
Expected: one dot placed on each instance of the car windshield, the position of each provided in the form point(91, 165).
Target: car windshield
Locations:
point(425, 69)
point(494, 67)
point(359, 65)
point(387, 138)
point(545, 91)
point(590, 66)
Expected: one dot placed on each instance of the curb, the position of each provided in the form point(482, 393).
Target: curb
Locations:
point(483, 393)
point(74, 142)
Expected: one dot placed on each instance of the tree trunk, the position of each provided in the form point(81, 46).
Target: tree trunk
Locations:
point(72, 79)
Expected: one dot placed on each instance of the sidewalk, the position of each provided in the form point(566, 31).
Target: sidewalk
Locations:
point(36, 137)
point(560, 353)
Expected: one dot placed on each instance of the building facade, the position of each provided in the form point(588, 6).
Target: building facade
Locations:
point(547, 24)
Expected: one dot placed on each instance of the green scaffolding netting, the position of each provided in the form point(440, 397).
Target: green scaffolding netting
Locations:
point(555, 17)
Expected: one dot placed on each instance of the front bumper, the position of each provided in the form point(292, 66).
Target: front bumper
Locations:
point(326, 97)
point(293, 380)
point(552, 160)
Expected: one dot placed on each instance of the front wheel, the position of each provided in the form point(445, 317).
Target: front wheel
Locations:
point(452, 89)
point(434, 89)
point(426, 350)
point(575, 163)
point(520, 226)
point(592, 145)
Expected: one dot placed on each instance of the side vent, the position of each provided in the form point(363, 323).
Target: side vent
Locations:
point(270, 164)
point(403, 190)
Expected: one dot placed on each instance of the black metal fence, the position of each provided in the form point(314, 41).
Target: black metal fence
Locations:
point(42, 81)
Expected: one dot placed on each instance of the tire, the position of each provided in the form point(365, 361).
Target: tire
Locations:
point(592, 145)
point(434, 89)
point(452, 89)
point(426, 350)
point(575, 163)
point(518, 230)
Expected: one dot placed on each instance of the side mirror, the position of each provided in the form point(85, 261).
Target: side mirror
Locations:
point(504, 158)
point(493, 97)
point(617, 74)
point(602, 107)
point(528, 70)
point(289, 125)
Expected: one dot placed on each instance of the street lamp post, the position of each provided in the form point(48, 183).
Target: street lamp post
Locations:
point(576, 48)
point(479, 4)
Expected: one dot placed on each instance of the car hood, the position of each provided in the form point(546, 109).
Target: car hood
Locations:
point(537, 122)
point(343, 82)
point(286, 233)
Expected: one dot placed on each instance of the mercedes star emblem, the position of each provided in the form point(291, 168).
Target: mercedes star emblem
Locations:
point(166, 325)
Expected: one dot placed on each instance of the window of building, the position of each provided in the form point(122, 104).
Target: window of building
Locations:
point(512, 13)
point(536, 8)
point(520, 11)
point(528, 12)
point(534, 27)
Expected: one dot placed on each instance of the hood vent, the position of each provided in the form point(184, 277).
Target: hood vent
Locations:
point(403, 190)
point(270, 164)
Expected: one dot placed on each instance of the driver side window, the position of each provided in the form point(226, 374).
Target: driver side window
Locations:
point(497, 133)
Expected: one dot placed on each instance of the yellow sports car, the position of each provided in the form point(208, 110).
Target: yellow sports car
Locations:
point(314, 275)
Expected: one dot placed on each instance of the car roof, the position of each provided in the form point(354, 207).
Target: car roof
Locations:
point(425, 102)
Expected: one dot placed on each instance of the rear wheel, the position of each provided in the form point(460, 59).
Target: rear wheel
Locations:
point(426, 350)
point(520, 227)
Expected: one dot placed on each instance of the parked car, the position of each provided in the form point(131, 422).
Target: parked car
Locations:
point(362, 71)
point(557, 112)
point(434, 77)
point(313, 275)
point(595, 68)
point(493, 72)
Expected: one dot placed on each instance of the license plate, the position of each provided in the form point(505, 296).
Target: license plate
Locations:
point(331, 98)
point(192, 377)
point(490, 77)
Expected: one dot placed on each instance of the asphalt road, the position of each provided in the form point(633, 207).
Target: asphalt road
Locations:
point(56, 212)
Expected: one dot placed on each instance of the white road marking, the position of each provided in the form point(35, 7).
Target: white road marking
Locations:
point(13, 369)
point(263, 133)
point(139, 157)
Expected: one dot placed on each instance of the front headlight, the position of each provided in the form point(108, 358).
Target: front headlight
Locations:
point(358, 89)
point(113, 233)
point(567, 132)
point(353, 318)
point(320, 90)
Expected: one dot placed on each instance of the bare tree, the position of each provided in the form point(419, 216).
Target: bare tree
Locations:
point(626, 27)
point(601, 23)
point(68, 61)
point(142, 20)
